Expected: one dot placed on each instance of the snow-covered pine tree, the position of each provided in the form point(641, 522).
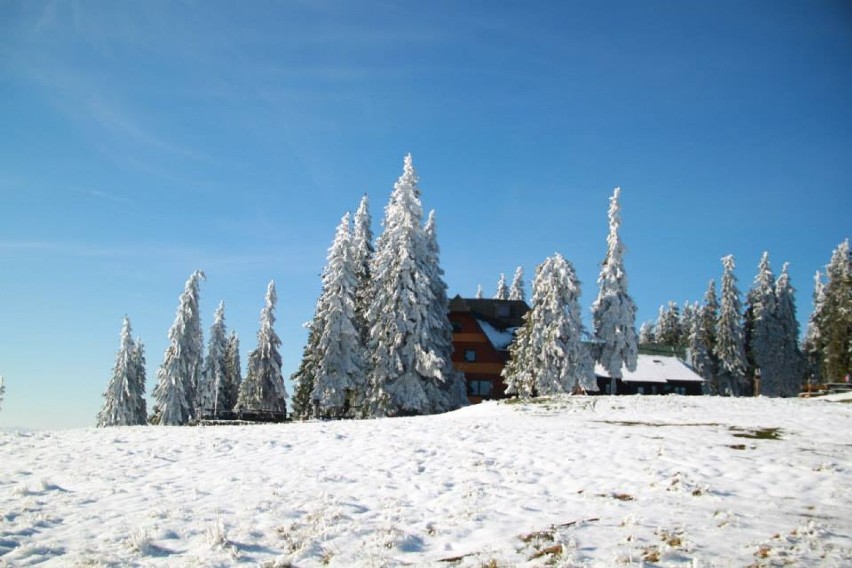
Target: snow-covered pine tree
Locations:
point(140, 374)
point(647, 333)
point(688, 313)
point(761, 330)
point(699, 352)
point(730, 351)
point(813, 342)
point(362, 245)
point(557, 360)
point(340, 367)
point(401, 317)
point(502, 292)
point(263, 388)
point(305, 376)
point(709, 316)
point(836, 317)
point(517, 374)
point(447, 388)
point(177, 378)
point(121, 399)
point(212, 389)
point(668, 330)
point(230, 390)
point(516, 291)
point(614, 312)
point(792, 363)
point(2, 391)
point(479, 294)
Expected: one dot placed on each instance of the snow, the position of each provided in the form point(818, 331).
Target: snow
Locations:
point(655, 369)
point(500, 339)
point(575, 481)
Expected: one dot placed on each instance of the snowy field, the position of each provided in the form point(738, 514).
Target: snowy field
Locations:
point(605, 481)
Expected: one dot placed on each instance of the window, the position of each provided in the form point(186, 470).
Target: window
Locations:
point(640, 390)
point(479, 387)
point(457, 326)
point(470, 355)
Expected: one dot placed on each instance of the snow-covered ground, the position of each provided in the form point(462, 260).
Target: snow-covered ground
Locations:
point(598, 481)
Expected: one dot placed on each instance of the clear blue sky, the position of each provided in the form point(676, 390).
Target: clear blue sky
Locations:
point(141, 141)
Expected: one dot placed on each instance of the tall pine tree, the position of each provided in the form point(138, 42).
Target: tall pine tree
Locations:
point(792, 362)
point(121, 399)
point(614, 312)
point(212, 392)
point(340, 366)
point(836, 317)
point(762, 332)
point(176, 391)
point(230, 391)
point(406, 363)
point(138, 359)
point(362, 251)
point(263, 388)
point(813, 342)
point(447, 387)
point(730, 350)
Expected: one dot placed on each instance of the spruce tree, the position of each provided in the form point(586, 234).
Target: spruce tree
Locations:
point(668, 330)
point(502, 292)
point(647, 333)
point(263, 388)
point(517, 373)
point(177, 378)
point(760, 330)
point(138, 359)
point(340, 365)
point(614, 312)
point(554, 358)
point(516, 291)
point(709, 316)
point(699, 349)
point(792, 362)
point(813, 342)
point(729, 349)
point(362, 250)
point(406, 362)
point(479, 293)
point(230, 390)
point(305, 376)
point(212, 392)
point(836, 317)
point(121, 399)
point(2, 391)
point(447, 388)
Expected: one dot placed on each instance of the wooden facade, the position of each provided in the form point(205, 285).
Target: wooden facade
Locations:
point(482, 332)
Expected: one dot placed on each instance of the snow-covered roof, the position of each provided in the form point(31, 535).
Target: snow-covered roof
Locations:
point(500, 339)
point(655, 369)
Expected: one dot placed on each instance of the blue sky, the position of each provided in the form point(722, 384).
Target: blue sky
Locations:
point(141, 141)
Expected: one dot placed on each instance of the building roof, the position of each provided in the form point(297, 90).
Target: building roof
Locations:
point(501, 314)
point(656, 369)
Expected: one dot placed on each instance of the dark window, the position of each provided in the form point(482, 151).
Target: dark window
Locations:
point(457, 327)
point(479, 387)
point(470, 355)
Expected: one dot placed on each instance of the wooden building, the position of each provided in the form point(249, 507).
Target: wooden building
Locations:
point(482, 332)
